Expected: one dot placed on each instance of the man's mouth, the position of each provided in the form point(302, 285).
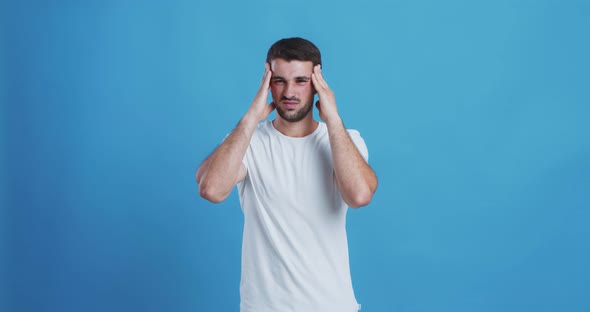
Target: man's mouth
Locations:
point(290, 104)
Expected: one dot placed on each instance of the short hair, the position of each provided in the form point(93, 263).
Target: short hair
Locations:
point(295, 48)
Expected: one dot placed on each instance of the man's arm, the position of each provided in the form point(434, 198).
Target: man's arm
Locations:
point(355, 179)
point(219, 172)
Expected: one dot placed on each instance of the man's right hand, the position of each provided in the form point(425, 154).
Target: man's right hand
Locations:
point(220, 172)
point(259, 109)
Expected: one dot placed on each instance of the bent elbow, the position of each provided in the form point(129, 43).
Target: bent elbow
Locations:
point(360, 199)
point(211, 194)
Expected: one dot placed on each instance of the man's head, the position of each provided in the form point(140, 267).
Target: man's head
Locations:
point(294, 49)
point(291, 62)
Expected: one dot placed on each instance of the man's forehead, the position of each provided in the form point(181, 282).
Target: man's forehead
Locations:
point(293, 67)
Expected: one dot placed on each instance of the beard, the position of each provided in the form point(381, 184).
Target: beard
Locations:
point(294, 116)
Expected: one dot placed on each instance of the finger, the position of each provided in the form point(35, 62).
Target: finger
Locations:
point(320, 77)
point(316, 68)
point(318, 85)
point(265, 81)
point(319, 81)
point(266, 70)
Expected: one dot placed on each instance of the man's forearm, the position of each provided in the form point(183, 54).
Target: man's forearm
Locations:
point(355, 179)
point(218, 174)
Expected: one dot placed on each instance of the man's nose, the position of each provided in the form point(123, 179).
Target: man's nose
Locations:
point(289, 89)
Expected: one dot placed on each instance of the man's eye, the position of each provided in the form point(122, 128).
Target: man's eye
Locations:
point(301, 81)
point(278, 81)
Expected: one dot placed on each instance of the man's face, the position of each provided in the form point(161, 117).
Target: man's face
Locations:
point(291, 88)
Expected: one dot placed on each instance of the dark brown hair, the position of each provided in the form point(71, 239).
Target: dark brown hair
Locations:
point(296, 48)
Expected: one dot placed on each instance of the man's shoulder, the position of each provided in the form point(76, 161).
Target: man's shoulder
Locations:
point(263, 132)
point(263, 128)
point(355, 131)
point(323, 130)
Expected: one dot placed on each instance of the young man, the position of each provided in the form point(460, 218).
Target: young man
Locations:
point(296, 178)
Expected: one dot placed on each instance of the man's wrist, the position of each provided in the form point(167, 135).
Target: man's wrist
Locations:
point(248, 121)
point(334, 122)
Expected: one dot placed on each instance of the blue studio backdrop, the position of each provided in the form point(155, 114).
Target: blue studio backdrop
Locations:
point(475, 114)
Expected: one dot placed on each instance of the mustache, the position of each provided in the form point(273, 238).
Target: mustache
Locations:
point(284, 98)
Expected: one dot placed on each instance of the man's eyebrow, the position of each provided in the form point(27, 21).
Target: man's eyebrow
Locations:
point(302, 78)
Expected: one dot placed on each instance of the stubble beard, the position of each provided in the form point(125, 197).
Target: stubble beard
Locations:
point(296, 116)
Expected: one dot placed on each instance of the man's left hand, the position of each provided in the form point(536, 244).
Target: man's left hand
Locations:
point(327, 102)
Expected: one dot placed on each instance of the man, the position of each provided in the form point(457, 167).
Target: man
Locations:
point(296, 178)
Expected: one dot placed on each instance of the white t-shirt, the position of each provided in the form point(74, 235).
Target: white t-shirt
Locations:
point(294, 250)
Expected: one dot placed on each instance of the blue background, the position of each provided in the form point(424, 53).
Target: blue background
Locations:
point(475, 115)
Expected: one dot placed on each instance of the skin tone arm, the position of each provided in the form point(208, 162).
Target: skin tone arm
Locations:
point(355, 179)
point(220, 172)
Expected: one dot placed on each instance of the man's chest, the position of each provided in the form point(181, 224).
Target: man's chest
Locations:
point(290, 171)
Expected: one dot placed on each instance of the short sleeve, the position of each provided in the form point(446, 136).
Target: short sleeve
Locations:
point(358, 141)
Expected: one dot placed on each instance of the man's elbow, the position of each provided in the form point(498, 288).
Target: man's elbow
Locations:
point(363, 195)
point(211, 194)
point(360, 199)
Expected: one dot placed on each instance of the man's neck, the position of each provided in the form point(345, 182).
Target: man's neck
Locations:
point(298, 129)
